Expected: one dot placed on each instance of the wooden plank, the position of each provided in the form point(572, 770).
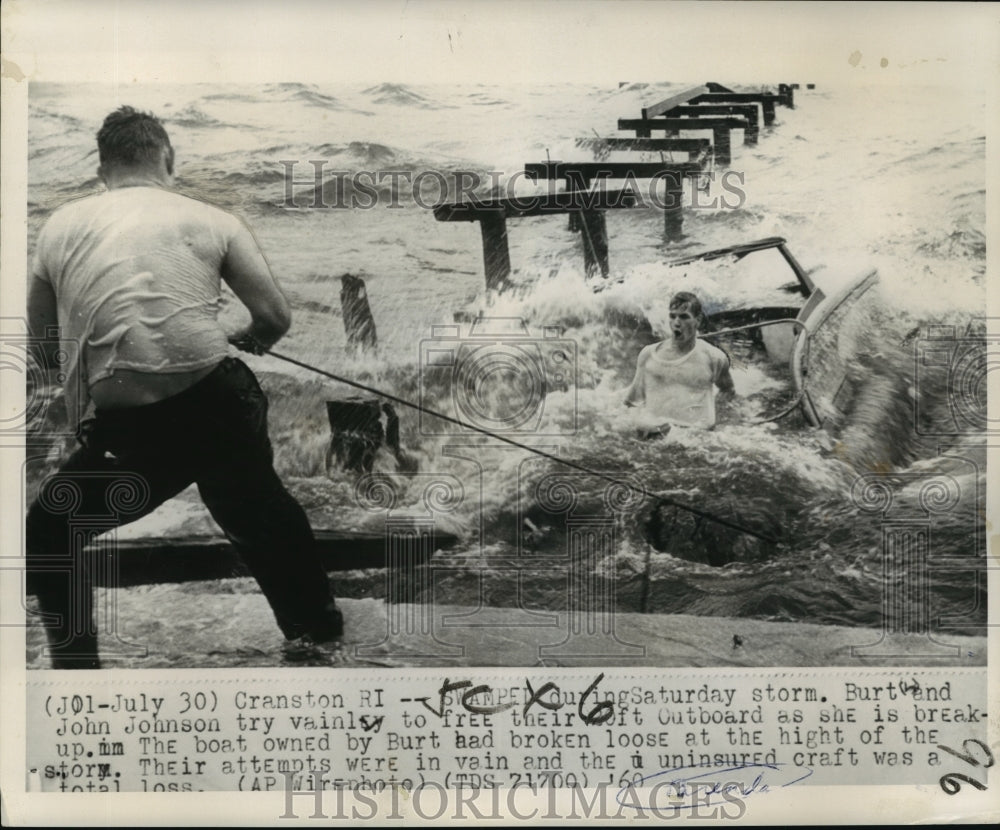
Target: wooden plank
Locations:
point(693, 146)
point(542, 204)
point(766, 100)
point(186, 559)
point(748, 111)
point(591, 170)
point(737, 98)
point(640, 124)
point(673, 101)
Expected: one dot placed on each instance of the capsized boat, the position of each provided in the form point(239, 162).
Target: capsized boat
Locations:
point(821, 339)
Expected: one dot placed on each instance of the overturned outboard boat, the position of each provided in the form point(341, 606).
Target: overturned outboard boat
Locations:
point(822, 340)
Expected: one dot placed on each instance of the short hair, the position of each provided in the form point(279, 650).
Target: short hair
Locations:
point(686, 298)
point(130, 137)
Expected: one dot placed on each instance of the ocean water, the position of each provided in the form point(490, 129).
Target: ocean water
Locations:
point(854, 179)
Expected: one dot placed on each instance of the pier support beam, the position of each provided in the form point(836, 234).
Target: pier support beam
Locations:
point(722, 147)
point(673, 217)
point(720, 126)
point(747, 111)
point(496, 254)
point(595, 242)
point(575, 181)
point(766, 100)
point(356, 433)
point(492, 216)
point(359, 325)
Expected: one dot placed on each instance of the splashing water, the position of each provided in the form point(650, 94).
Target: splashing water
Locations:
point(928, 243)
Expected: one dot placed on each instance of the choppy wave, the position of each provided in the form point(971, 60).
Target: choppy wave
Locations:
point(904, 194)
point(193, 117)
point(401, 95)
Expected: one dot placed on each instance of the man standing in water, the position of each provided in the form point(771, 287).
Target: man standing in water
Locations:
point(132, 276)
point(675, 379)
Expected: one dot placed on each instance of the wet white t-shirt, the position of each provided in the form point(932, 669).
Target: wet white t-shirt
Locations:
point(677, 390)
point(135, 272)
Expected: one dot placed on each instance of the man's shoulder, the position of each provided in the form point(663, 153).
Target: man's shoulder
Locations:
point(186, 201)
point(649, 349)
point(714, 353)
point(106, 198)
point(68, 211)
point(210, 211)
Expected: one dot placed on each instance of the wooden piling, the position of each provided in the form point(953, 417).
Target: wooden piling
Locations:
point(594, 229)
point(787, 94)
point(359, 325)
point(356, 433)
point(496, 254)
point(673, 217)
point(575, 182)
point(722, 146)
point(493, 213)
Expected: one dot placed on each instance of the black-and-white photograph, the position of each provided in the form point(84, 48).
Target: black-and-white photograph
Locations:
point(534, 369)
point(643, 373)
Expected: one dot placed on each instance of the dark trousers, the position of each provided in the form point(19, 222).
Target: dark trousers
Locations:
point(132, 460)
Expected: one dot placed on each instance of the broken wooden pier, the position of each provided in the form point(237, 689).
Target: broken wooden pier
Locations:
point(581, 175)
point(709, 107)
point(492, 215)
point(721, 128)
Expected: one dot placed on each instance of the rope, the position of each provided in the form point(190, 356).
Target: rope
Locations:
point(802, 392)
point(792, 320)
point(565, 462)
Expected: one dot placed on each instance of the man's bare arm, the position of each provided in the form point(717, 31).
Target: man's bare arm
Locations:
point(43, 321)
point(636, 393)
point(246, 271)
point(725, 383)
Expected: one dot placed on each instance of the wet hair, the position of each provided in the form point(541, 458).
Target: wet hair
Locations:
point(686, 298)
point(130, 137)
